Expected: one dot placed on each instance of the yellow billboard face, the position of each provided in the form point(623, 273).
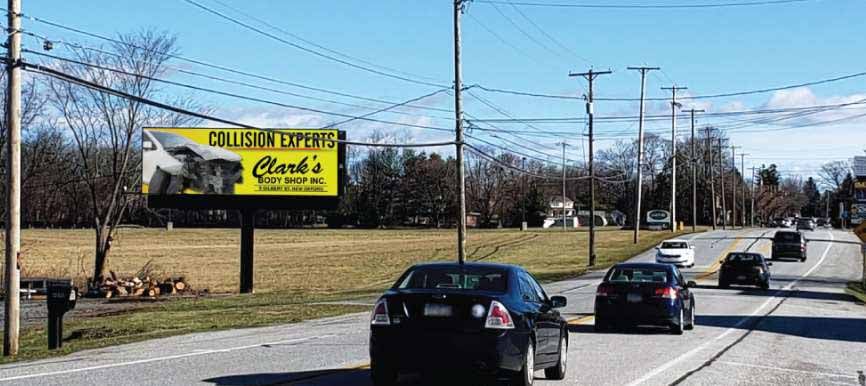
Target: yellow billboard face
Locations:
point(249, 162)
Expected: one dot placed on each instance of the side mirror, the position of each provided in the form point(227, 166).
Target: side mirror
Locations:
point(691, 247)
point(558, 301)
point(691, 284)
point(769, 264)
point(148, 145)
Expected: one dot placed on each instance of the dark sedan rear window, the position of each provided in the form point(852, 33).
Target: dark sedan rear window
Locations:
point(787, 237)
point(465, 278)
point(638, 275)
point(744, 259)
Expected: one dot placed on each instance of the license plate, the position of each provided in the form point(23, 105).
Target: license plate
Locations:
point(741, 277)
point(437, 310)
point(634, 298)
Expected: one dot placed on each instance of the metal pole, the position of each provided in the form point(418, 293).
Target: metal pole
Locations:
point(694, 175)
point(248, 226)
point(743, 189)
point(458, 115)
point(639, 184)
point(523, 225)
point(590, 77)
point(712, 177)
point(733, 187)
point(674, 105)
point(752, 207)
point(722, 185)
point(563, 186)
point(13, 181)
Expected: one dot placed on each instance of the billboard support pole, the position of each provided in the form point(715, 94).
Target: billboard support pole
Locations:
point(248, 226)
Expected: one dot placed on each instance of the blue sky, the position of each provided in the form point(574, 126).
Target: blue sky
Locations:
point(709, 50)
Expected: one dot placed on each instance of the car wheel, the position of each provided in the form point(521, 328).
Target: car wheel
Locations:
point(723, 284)
point(558, 372)
point(691, 324)
point(600, 325)
point(765, 285)
point(803, 259)
point(527, 375)
point(383, 375)
point(677, 328)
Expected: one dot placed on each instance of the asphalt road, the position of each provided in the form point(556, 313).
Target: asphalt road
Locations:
point(804, 330)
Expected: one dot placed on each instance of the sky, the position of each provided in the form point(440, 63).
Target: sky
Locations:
point(514, 47)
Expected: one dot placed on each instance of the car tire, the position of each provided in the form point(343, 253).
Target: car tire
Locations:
point(526, 375)
point(803, 259)
point(691, 324)
point(383, 375)
point(723, 284)
point(557, 372)
point(678, 328)
point(600, 325)
point(765, 285)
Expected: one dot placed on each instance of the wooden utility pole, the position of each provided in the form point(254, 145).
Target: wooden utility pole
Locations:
point(712, 177)
point(458, 115)
point(722, 185)
point(13, 180)
point(639, 185)
point(694, 173)
point(743, 190)
point(590, 77)
point(752, 207)
point(734, 186)
point(563, 186)
point(673, 89)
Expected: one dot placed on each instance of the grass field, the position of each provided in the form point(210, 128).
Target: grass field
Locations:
point(317, 262)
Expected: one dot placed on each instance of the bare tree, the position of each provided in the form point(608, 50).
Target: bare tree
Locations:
point(106, 129)
point(832, 174)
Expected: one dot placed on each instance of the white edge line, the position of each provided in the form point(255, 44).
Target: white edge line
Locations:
point(165, 358)
point(730, 330)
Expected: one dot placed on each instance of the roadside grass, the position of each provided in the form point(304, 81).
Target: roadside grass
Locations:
point(855, 288)
point(295, 271)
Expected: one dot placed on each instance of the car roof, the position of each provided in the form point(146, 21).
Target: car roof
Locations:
point(676, 241)
point(667, 267)
point(507, 267)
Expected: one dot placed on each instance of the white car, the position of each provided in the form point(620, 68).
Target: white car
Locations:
point(677, 252)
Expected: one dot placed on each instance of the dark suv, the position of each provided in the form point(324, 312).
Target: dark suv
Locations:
point(745, 268)
point(789, 244)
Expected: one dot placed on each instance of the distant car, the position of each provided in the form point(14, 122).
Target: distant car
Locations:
point(745, 268)
point(806, 224)
point(678, 252)
point(492, 319)
point(789, 244)
point(645, 294)
point(824, 222)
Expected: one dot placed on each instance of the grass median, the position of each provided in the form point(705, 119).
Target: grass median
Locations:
point(296, 270)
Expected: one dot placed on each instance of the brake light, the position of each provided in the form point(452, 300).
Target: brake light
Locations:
point(380, 314)
point(604, 291)
point(498, 317)
point(666, 292)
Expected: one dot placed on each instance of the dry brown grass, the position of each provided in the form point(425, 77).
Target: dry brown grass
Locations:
point(317, 262)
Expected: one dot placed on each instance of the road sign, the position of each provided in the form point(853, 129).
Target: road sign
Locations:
point(859, 166)
point(860, 231)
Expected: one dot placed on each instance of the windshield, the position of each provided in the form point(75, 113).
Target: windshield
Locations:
point(638, 275)
point(745, 258)
point(787, 237)
point(169, 140)
point(675, 245)
point(464, 278)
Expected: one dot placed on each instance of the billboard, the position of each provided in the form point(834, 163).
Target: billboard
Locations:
point(230, 168)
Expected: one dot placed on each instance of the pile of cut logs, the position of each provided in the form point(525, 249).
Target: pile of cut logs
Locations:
point(143, 287)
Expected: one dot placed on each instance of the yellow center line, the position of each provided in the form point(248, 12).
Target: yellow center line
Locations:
point(715, 267)
point(580, 320)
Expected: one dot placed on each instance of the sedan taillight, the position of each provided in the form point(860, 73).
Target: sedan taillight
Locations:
point(666, 292)
point(498, 317)
point(380, 314)
point(604, 291)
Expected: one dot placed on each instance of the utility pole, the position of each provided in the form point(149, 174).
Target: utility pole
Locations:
point(673, 89)
point(734, 186)
point(458, 115)
point(722, 185)
point(752, 208)
point(639, 185)
point(563, 186)
point(590, 77)
point(694, 173)
point(13, 181)
point(712, 177)
point(523, 225)
point(743, 190)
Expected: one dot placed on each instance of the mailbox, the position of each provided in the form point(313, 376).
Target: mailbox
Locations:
point(62, 296)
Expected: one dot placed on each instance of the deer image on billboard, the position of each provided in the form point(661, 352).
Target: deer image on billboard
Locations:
point(228, 168)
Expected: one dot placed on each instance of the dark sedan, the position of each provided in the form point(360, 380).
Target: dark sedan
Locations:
point(645, 294)
point(491, 319)
point(789, 244)
point(745, 268)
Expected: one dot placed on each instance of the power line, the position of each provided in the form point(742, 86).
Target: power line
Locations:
point(35, 68)
point(644, 6)
point(311, 51)
point(221, 67)
point(503, 40)
point(547, 35)
point(523, 32)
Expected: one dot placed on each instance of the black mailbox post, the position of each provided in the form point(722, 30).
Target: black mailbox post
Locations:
point(61, 298)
